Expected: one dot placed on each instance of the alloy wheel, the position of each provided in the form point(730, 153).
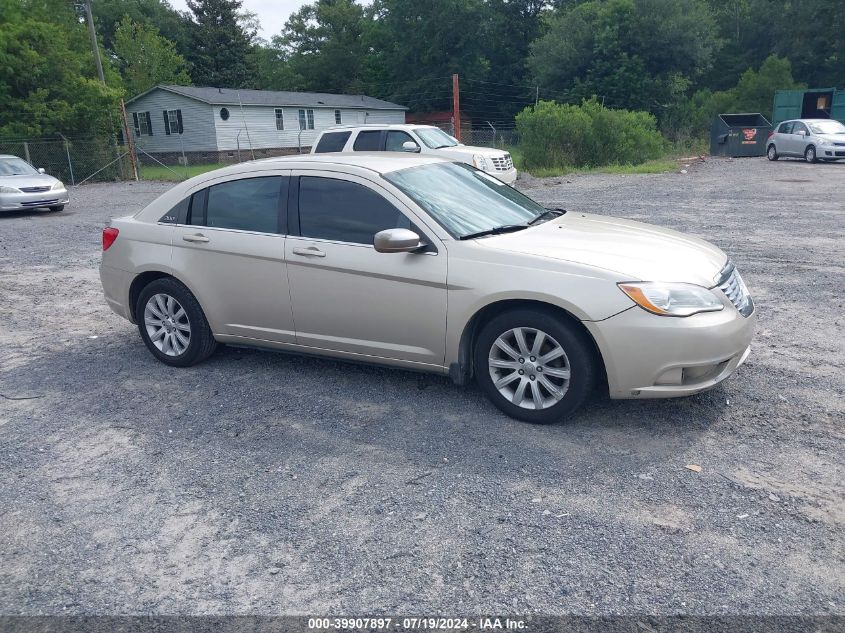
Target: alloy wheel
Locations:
point(167, 324)
point(529, 368)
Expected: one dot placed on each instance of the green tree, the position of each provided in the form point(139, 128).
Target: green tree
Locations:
point(324, 47)
point(171, 24)
point(272, 69)
point(48, 81)
point(634, 53)
point(221, 45)
point(146, 59)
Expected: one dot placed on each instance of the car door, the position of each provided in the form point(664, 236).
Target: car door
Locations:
point(346, 296)
point(798, 138)
point(230, 251)
point(395, 139)
point(783, 138)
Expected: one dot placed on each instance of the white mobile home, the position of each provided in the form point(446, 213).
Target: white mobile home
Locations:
point(224, 125)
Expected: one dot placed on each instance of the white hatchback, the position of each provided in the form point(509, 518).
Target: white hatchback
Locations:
point(420, 139)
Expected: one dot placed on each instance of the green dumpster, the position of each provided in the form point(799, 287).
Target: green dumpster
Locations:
point(739, 134)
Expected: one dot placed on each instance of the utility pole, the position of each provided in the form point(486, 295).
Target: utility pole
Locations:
point(129, 142)
point(456, 105)
point(93, 33)
point(536, 95)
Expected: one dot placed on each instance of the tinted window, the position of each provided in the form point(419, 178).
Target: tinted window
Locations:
point(177, 214)
point(785, 128)
point(343, 211)
point(251, 204)
point(367, 142)
point(395, 138)
point(332, 142)
point(798, 128)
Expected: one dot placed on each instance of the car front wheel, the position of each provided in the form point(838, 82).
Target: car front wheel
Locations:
point(172, 324)
point(534, 365)
point(810, 154)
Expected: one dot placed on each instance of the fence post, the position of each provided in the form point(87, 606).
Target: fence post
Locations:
point(69, 161)
point(129, 142)
point(26, 152)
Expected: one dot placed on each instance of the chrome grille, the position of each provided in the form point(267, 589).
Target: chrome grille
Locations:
point(730, 282)
point(35, 189)
point(503, 163)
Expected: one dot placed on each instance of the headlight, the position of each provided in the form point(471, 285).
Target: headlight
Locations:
point(672, 299)
point(59, 185)
point(9, 190)
point(480, 162)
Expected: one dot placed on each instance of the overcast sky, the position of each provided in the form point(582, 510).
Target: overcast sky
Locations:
point(271, 13)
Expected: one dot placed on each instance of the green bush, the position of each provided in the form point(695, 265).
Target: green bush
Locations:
point(556, 135)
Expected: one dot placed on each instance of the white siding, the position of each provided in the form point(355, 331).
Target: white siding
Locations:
point(197, 123)
point(257, 125)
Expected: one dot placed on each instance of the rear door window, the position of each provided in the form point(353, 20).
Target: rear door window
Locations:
point(368, 141)
point(332, 142)
point(785, 128)
point(250, 204)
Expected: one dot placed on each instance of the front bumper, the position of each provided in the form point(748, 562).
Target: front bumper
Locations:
point(508, 177)
point(650, 356)
point(24, 201)
point(830, 151)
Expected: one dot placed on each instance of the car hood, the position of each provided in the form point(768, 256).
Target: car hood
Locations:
point(633, 250)
point(28, 180)
point(468, 151)
point(833, 138)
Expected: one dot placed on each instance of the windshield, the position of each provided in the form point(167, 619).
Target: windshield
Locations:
point(464, 200)
point(827, 127)
point(435, 138)
point(16, 167)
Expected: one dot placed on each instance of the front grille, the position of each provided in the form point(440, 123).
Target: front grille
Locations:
point(503, 163)
point(35, 189)
point(730, 282)
point(40, 203)
point(839, 144)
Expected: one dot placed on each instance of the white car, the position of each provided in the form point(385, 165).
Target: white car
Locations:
point(420, 139)
point(23, 187)
point(814, 139)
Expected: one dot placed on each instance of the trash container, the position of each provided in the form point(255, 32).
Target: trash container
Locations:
point(739, 135)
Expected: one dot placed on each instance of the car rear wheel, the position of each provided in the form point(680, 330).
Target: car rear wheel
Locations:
point(533, 365)
point(772, 152)
point(810, 154)
point(57, 208)
point(172, 324)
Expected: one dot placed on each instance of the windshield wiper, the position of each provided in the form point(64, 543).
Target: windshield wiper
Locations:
point(496, 230)
point(548, 213)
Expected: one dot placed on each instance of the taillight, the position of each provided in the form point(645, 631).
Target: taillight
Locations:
point(109, 236)
point(771, 134)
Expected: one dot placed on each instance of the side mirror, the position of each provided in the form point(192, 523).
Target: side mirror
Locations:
point(410, 146)
point(397, 241)
point(803, 133)
point(41, 170)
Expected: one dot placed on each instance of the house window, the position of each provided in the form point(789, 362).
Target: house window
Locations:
point(173, 122)
point(306, 119)
point(337, 117)
point(143, 124)
point(280, 119)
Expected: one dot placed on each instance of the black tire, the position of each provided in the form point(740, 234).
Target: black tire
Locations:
point(810, 154)
point(578, 349)
point(201, 343)
point(772, 152)
point(58, 208)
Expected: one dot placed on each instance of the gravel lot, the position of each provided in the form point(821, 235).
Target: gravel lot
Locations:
point(264, 483)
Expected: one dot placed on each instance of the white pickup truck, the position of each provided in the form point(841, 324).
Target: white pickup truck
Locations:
point(423, 139)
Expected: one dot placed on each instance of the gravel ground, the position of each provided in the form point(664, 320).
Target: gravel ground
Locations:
point(264, 483)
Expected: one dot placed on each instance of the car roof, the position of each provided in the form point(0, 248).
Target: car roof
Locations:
point(379, 162)
point(377, 126)
point(808, 120)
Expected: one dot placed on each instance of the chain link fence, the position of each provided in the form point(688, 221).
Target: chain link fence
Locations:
point(73, 161)
point(101, 159)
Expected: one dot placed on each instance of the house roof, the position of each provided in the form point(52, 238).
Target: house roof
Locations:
point(228, 96)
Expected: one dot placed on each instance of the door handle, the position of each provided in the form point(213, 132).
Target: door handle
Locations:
point(311, 251)
point(198, 237)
